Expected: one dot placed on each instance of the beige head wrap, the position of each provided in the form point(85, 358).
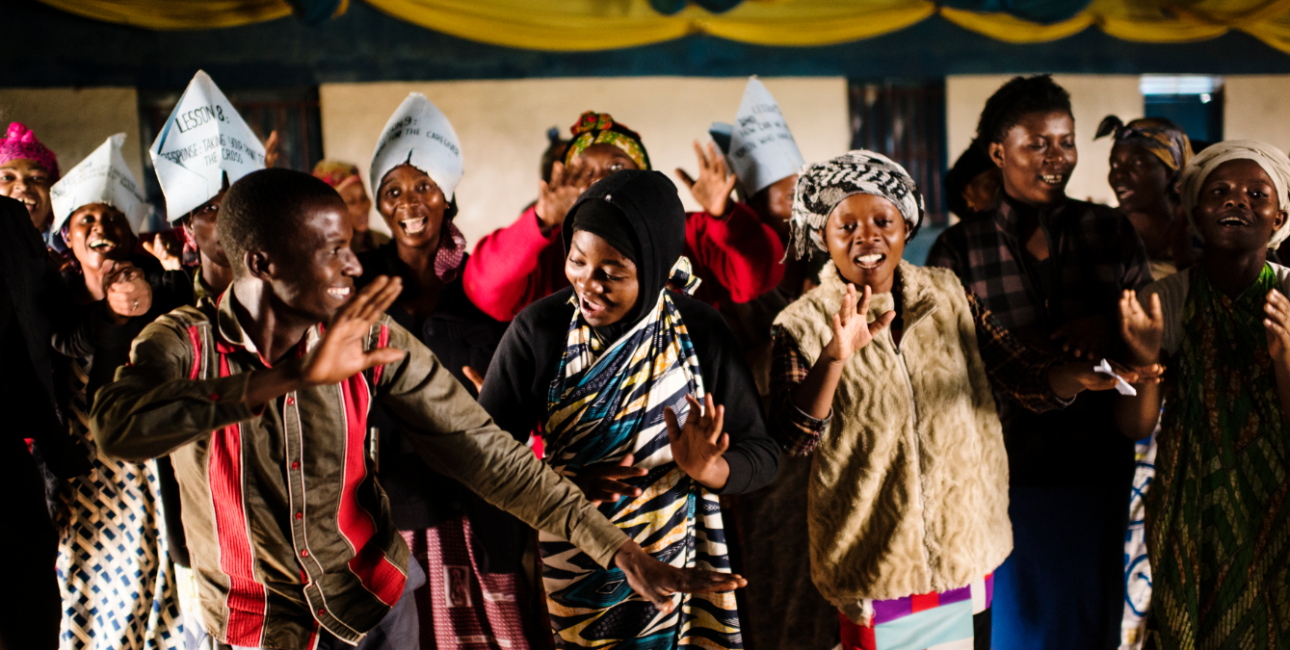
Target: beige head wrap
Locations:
point(1271, 159)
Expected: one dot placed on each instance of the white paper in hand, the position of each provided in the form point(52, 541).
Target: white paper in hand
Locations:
point(762, 149)
point(203, 139)
point(1121, 386)
point(420, 135)
point(102, 177)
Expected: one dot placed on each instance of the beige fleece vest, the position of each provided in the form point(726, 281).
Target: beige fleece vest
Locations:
point(909, 485)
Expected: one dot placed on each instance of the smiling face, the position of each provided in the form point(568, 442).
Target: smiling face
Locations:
point(1037, 157)
point(412, 205)
point(601, 160)
point(200, 224)
point(97, 233)
point(313, 272)
point(1139, 178)
point(1237, 209)
point(603, 278)
point(866, 237)
point(356, 200)
point(26, 181)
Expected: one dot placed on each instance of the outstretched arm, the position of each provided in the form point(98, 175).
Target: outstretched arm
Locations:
point(154, 406)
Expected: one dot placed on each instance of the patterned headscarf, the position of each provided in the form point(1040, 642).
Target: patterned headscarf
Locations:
point(335, 173)
point(822, 186)
point(1271, 159)
point(1155, 134)
point(20, 142)
point(600, 128)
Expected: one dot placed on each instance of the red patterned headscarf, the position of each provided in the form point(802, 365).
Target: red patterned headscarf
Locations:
point(600, 128)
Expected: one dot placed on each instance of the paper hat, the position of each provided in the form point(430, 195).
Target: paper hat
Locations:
point(203, 139)
point(420, 135)
point(101, 178)
point(720, 132)
point(762, 149)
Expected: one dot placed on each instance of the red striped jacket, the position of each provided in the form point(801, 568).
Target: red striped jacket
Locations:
point(288, 529)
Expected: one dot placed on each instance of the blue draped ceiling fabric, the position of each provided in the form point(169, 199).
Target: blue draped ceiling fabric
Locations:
point(590, 25)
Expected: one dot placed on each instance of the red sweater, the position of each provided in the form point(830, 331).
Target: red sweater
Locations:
point(738, 259)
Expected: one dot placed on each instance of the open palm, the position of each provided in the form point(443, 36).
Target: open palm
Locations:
point(1142, 329)
point(341, 354)
point(851, 332)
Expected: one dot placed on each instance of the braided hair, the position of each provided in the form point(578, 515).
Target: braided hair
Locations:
point(1019, 97)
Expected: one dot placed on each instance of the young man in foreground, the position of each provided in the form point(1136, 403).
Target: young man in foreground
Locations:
point(264, 408)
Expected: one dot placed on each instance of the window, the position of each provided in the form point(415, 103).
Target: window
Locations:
point(1193, 102)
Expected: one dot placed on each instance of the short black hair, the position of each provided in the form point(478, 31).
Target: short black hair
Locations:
point(264, 209)
point(1019, 97)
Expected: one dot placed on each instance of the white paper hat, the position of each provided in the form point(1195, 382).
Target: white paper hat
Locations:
point(420, 135)
point(762, 149)
point(101, 178)
point(203, 139)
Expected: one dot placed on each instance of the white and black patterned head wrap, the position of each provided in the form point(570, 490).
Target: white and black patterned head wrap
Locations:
point(822, 186)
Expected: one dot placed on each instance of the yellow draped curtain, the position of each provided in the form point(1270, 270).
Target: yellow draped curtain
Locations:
point(588, 25)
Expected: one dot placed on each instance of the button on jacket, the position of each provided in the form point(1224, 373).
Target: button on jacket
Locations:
point(287, 526)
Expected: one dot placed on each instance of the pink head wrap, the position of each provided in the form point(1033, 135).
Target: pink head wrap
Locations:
point(20, 142)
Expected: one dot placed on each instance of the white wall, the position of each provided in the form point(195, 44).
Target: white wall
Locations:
point(1093, 97)
point(73, 122)
point(502, 126)
point(1257, 107)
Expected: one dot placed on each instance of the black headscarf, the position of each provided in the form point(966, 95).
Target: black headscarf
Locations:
point(653, 214)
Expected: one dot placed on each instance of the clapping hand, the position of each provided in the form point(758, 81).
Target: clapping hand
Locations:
point(1277, 324)
point(1143, 330)
point(698, 447)
point(126, 291)
point(850, 331)
point(712, 189)
point(605, 482)
point(158, 249)
point(555, 198)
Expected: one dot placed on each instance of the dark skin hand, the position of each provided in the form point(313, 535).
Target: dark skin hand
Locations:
point(568, 182)
point(715, 183)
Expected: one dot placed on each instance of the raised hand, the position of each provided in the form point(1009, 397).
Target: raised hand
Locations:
point(656, 581)
point(340, 354)
point(158, 249)
point(604, 482)
point(850, 331)
point(125, 290)
point(1143, 330)
point(712, 189)
point(568, 182)
point(271, 150)
point(1087, 337)
point(698, 447)
point(1277, 324)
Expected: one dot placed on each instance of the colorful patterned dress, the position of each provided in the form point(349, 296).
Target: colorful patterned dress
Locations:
point(1218, 526)
point(114, 569)
point(607, 401)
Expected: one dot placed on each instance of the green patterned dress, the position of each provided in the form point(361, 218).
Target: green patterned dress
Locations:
point(1218, 528)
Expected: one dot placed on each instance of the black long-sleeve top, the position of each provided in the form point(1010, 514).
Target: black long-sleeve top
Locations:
point(515, 389)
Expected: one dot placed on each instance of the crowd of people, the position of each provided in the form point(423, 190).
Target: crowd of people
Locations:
point(616, 424)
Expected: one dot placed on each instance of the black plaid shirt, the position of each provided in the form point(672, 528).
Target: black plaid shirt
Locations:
point(1095, 255)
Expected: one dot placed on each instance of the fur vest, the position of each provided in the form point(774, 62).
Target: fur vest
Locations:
point(909, 484)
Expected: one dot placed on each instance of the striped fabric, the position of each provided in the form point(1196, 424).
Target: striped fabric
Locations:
point(607, 402)
point(114, 569)
point(934, 621)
